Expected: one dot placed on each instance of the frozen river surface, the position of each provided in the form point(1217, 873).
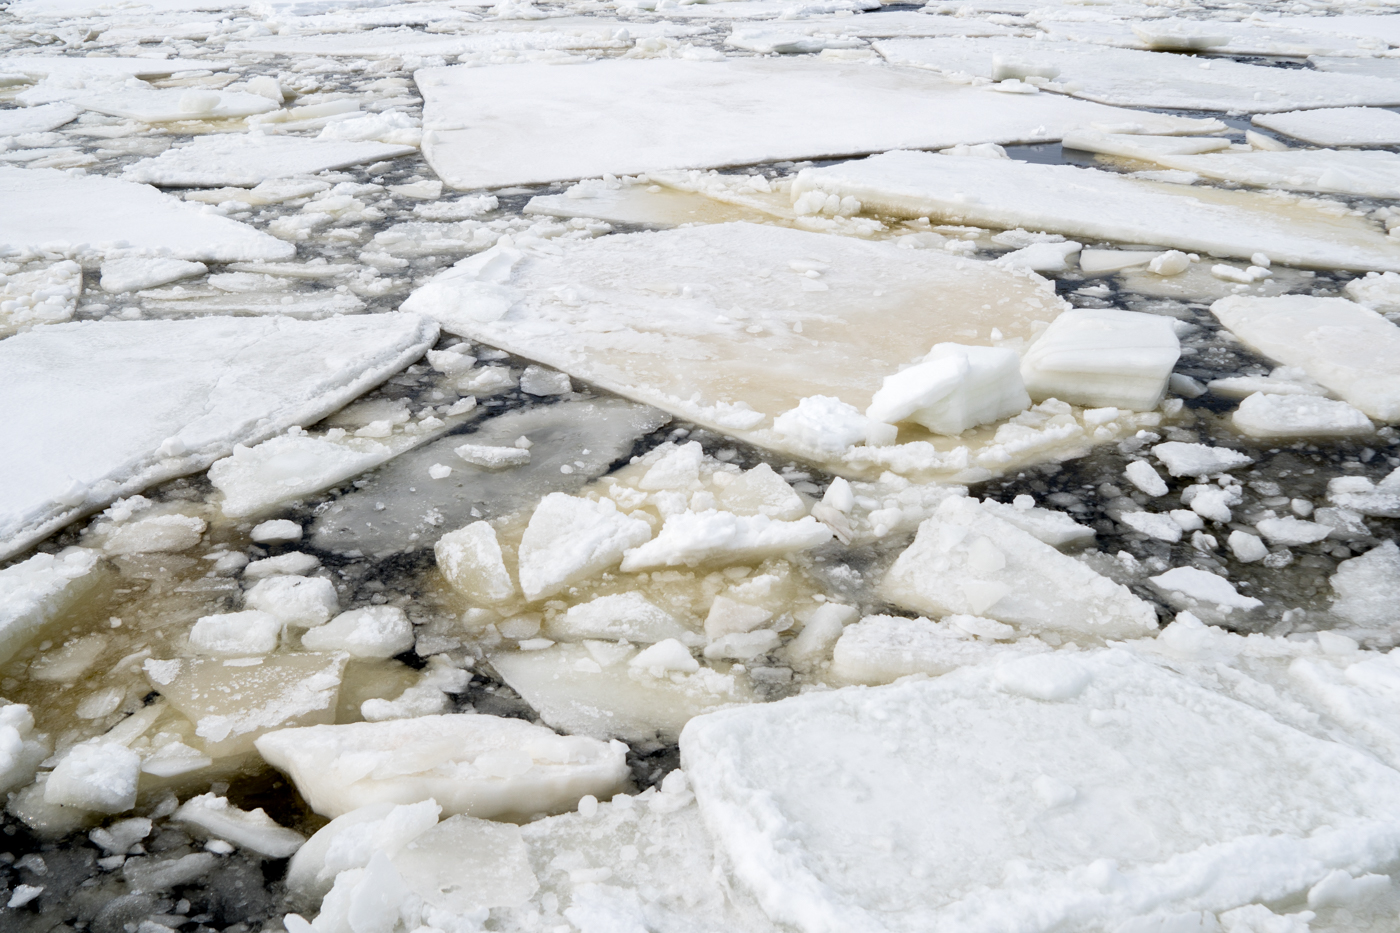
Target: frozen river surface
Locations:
point(634, 466)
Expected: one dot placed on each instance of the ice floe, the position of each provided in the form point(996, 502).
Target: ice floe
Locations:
point(480, 128)
point(212, 161)
point(1340, 126)
point(223, 382)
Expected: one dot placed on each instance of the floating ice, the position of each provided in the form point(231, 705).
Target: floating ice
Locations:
point(1101, 206)
point(470, 559)
point(481, 131)
point(464, 864)
point(133, 274)
point(1219, 37)
point(570, 539)
point(299, 602)
point(952, 389)
point(85, 428)
point(212, 161)
point(1364, 587)
point(1102, 740)
point(1183, 459)
point(882, 649)
point(1343, 346)
point(484, 766)
point(1102, 358)
point(41, 119)
point(21, 751)
point(1337, 126)
point(1131, 78)
point(1291, 532)
point(92, 213)
point(690, 539)
point(1054, 528)
point(96, 776)
point(1191, 587)
point(966, 560)
point(251, 829)
point(79, 66)
point(251, 633)
point(43, 296)
point(629, 616)
point(151, 105)
point(1268, 415)
point(371, 632)
point(36, 591)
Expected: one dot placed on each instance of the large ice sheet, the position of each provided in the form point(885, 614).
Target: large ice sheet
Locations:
point(1131, 78)
point(165, 105)
point(92, 213)
point(1052, 792)
point(503, 125)
point(100, 410)
point(248, 160)
point(1350, 349)
point(1087, 203)
point(1337, 126)
point(723, 325)
point(39, 119)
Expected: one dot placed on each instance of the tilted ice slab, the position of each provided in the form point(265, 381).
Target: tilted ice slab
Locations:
point(101, 410)
point(1338, 126)
point(248, 160)
point(1086, 203)
point(1365, 174)
point(39, 119)
point(1050, 792)
point(721, 324)
point(1131, 78)
point(483, 766)
point(81, 213)
point(164, 105)
point(1350, 349)
point(504, 124)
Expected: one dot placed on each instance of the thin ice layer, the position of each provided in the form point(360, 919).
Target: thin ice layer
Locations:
point(80, 213)
point(1131, 78)
point(1339, 126)
point(1053, 792)
point(1098, 205)
point(1350, 349)
point(248, 160)
point(520, 124)
point(100, 410)
point(723, 325)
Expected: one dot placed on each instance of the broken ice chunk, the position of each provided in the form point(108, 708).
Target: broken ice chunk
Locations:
point(953, 389)
point(464, 864)
point(1040, 257)
point(97, 776)
point(492, 458)
point(21, 751)
point(246, 160)
point(1268, 415)
point(882, 649)
point(293, 563)
point(236, 634)
point(371, 632)
point(966, 560)
point(36, 591)
point(693, 538)
point(539, 381)
point(760, 491)
point(624, 615)
point(301, 602)
point(43, 296)
point(1054, 528)
point(1364, 587)
point(251, 829)
point(570, 539)
point(1141, 474)
point(1336, 126)
point(1101, 358)
point(279, 531)
point(1246, 547)
point(823, 423)
point(1348, 348)
point(151, 534)
point(167, 105)
point(470, 559)
point(1290, 532)
point(1200, 591)
point(1107, 261)
point(1183, 459)
point(484, 766)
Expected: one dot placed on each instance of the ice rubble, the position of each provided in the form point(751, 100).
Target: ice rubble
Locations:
point(736, 320)
point(1130, 78)
point(1338, 126)
point(1041, 762)
point(1347, 348)
point(79, 214)
point(48, 295)
point(1097, 205)
point(87, 426)
point(484, 766)
point(253, 829)
point(245, 161)
point(481, 128)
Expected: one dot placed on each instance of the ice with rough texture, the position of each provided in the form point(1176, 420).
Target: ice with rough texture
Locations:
point(251, 633)
point(157, 105)
point(1103, 358)
point(248, 160)
point(93, 213)
point(570, 539)
point(742, 336)
point(1132, 78)
point(21, 751)
point(251, 829)
point(464, 864)
point(1120, 791)
point(1268, 415)
point(483, 127)
point(97, 776)
point(622, 615)
point(952, 389)
point(135, 273)
point(40, 119)
point(483, 766)
point(1193, 586)
point(371, 632)
point(967, 561)
point(882, 649)
point(36, 591)
point(100, 410)
point(1097, 205)
point(1348, 348)
point(78, 66)
point(1337, 126)
point(1364, 587)
point(470, 559)
point(1185, 459)
point(690, 539)
point(295, 601)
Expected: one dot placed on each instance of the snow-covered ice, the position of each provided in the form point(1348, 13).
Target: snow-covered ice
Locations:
point(482, 126)
point(1339, 126)
point(171, 104)
point(35, 592)
point(212, 161)
point(1267, 415)
point(86, 428)
point(1103, 358)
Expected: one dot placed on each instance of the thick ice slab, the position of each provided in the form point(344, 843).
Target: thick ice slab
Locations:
point(483, 766)
point(724, 326)
point(1130, 78)
point(483, 126)
point(1116, 788)
point(39, 119)
point(1097, 205)
point(1350, 349)
point(248, 160)
point(100, 410)
point(1337, 126)
point(91, 213)
point(36, 591)
point(165, 105)
point(1101, 358)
